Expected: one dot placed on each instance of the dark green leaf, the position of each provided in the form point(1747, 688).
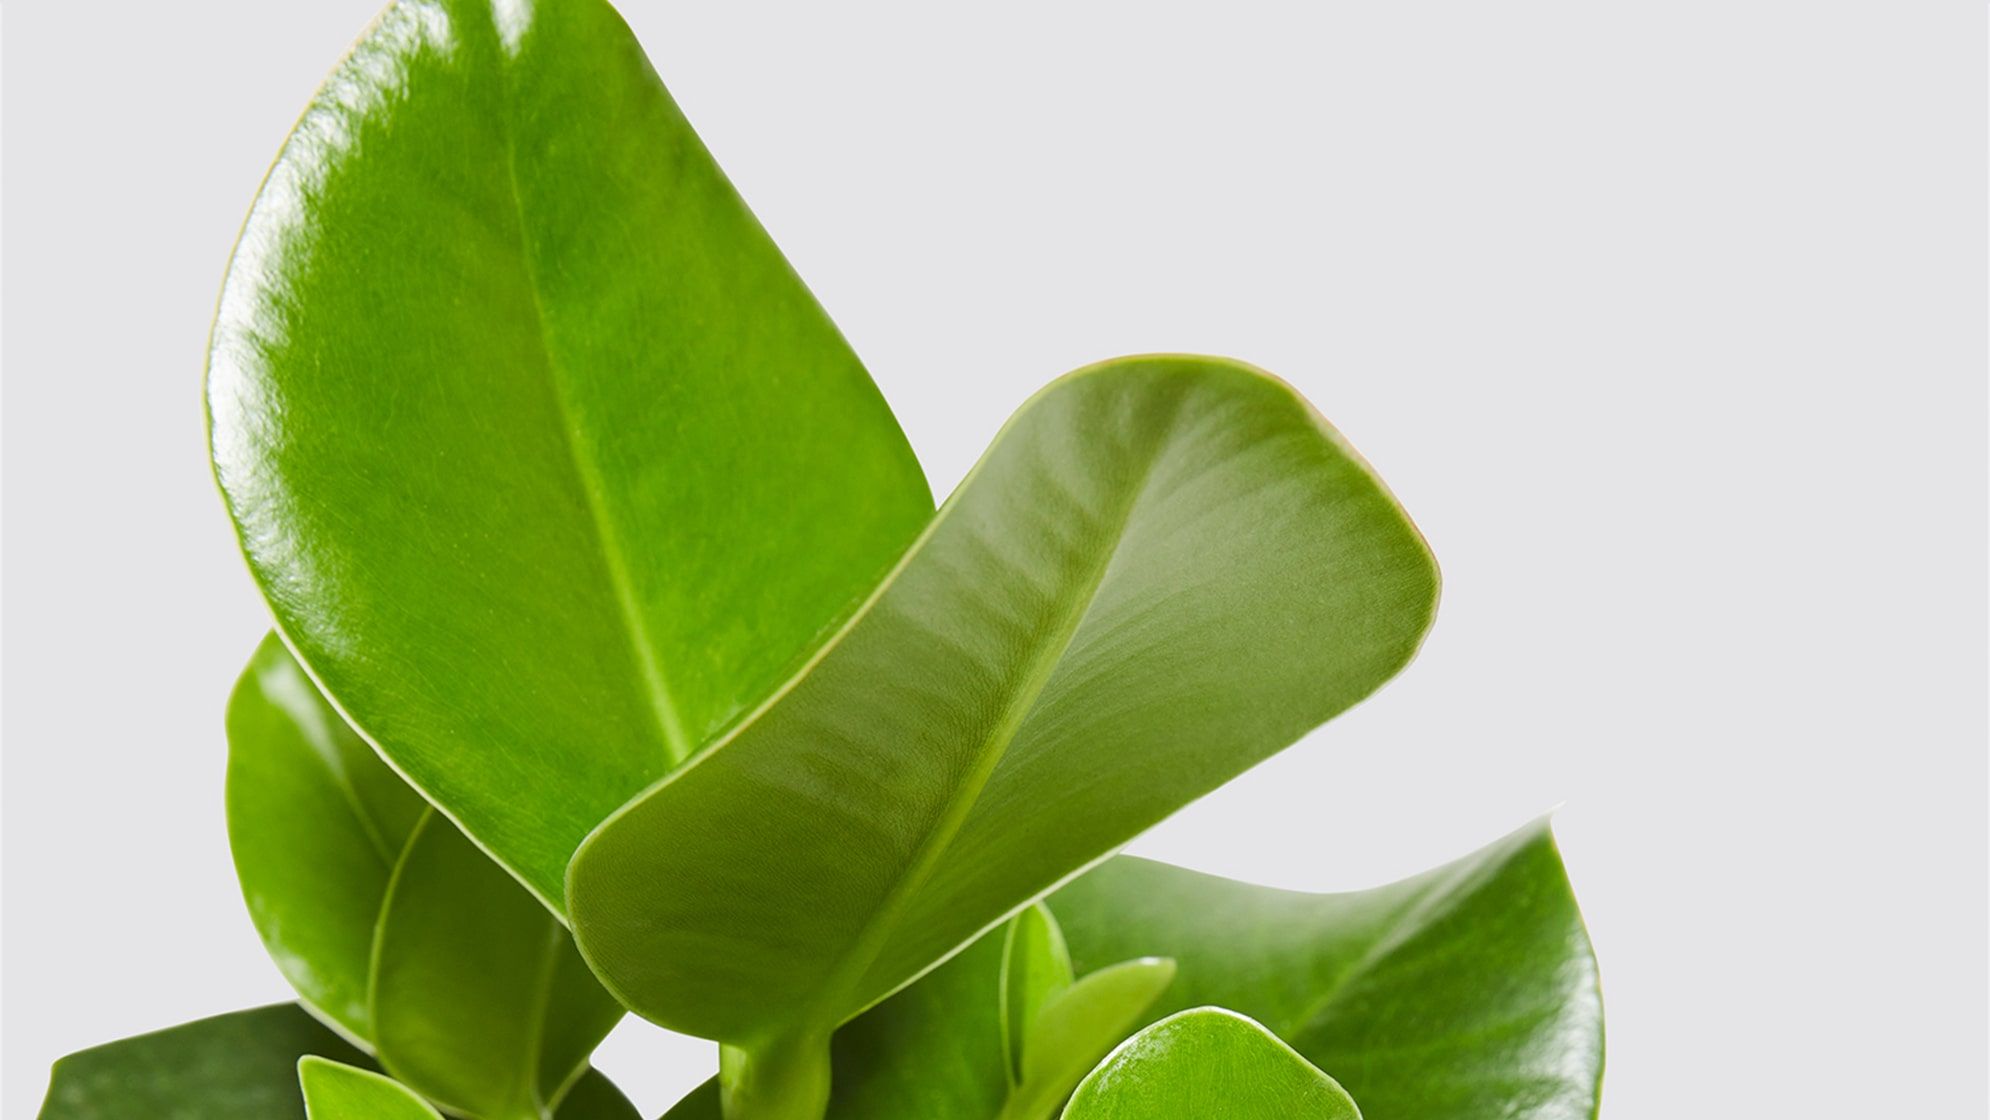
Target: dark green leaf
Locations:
point(548, 464)
point(1163, 571)
point(1211, 1064)
point(1466, 992)
point(239, 1066)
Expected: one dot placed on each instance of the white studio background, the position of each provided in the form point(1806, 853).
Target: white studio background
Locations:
point(1666, 322)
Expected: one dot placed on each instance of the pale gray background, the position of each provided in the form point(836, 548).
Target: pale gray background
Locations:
point(1665, 321)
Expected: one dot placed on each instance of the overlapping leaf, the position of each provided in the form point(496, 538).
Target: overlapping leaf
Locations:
point(239, 1066)
point(391, 923)
point(1213, 1064)
point(954, 1047)
point(547, 463)
point(1466, 992)
point(1164, 570)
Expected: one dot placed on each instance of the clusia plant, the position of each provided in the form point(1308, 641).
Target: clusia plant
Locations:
point(622, 663)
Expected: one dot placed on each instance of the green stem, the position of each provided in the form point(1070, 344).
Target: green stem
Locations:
point(785, 1080)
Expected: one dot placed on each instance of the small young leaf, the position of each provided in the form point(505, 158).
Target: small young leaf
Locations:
point(937, 1049)
point(1212, 1064)
point(1036, 966)
point(1079, 1026)
point(1466, 992)
point(340, 1092)
point(239, 1066)
point(548, 464)
point(1163, 571)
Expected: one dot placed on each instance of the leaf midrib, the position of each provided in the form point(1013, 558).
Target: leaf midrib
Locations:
point(850, 971)
point(669, 720)
point(1414, 913)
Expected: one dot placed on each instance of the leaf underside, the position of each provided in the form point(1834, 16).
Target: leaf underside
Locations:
point(1161, 572)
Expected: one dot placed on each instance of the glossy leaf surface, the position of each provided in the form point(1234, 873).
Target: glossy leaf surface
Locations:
point(389, 921)
point(333, 1091)
point(316, 823)
point(239, 1066)
point(1208, 1063)
point(547, 463)
point(1164, 570)
point(1466, 992)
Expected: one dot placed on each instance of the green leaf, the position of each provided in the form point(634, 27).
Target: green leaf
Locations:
point(316, 823)
point(1208, 1063)
point(239, 1066)
point(1080, 1025)
point(1163, 571)
point(340, 1092)
point(547, 463)
point(1035, 967)
point(389, 920)
point(479, 997)
point(1466, 992)
point(937, 1048)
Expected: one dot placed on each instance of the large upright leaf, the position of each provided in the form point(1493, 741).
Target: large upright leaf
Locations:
point(1212, 1064)
point(1466, 992)
point(548, 464)
point(1163, 571)
point(390, 922)
point(238, 1066)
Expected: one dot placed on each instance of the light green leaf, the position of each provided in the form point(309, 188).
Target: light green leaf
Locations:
point(1035, 967)
point(1466, 992)
point(1212, 1064)
point(479, 998)
point(547, 463)
point(239, 1066)
point(340, 1092)
point(316, 823)
point(1080, 1025)
point(1163, 571)
point(466, 987)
